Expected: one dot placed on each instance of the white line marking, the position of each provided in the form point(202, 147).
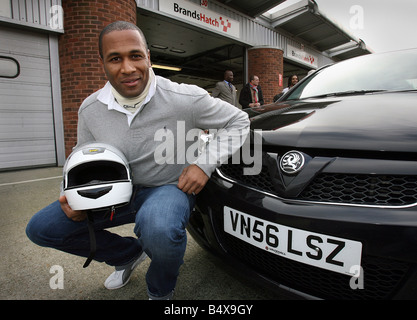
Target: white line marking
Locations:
point(27, 181)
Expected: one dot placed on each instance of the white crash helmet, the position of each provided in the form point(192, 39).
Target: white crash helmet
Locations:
point(96, 175)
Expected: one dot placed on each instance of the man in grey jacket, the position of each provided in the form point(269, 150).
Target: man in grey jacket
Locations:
point(225, 90)
point(140, 114)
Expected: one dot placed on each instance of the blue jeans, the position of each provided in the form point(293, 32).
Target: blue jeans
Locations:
point(160, 215)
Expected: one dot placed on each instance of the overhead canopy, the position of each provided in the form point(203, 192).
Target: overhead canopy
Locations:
point(250, 7)
point(306, 22)
point(203, 56)
point(349, 50)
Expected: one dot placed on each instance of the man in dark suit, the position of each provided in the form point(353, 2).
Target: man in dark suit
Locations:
point(225, 90)
point(251, 94)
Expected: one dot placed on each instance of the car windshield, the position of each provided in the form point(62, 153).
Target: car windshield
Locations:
point(396, 71)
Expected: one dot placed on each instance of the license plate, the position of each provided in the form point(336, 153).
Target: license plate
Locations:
point(319, 250)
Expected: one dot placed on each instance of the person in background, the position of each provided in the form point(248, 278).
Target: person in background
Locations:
point(292, 81)
point(251, 95)
point(225, 90)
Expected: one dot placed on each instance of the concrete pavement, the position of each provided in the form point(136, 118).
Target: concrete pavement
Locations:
point(30, 272)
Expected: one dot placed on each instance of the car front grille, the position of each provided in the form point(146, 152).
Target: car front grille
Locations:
point(338, 188)
point(381, 277)
point(380, 190)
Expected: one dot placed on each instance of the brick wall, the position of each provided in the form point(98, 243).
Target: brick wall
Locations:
point(267, 64)
point(81, 71)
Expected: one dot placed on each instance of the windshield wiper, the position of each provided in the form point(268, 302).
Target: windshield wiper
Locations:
point(347, 93)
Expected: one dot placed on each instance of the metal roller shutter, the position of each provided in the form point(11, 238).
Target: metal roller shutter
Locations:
point(26, 114)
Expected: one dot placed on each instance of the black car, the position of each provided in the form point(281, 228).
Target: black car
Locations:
point(332, 212)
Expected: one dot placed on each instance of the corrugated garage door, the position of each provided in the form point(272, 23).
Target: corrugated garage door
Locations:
point(26, 116)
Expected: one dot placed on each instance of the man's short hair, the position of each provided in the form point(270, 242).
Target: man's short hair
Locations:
point(118, 26)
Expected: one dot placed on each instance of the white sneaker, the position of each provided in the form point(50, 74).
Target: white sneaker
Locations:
point(121, 276)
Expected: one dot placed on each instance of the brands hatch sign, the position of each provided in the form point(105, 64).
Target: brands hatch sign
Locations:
point(203, 17)
point(300, 55)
